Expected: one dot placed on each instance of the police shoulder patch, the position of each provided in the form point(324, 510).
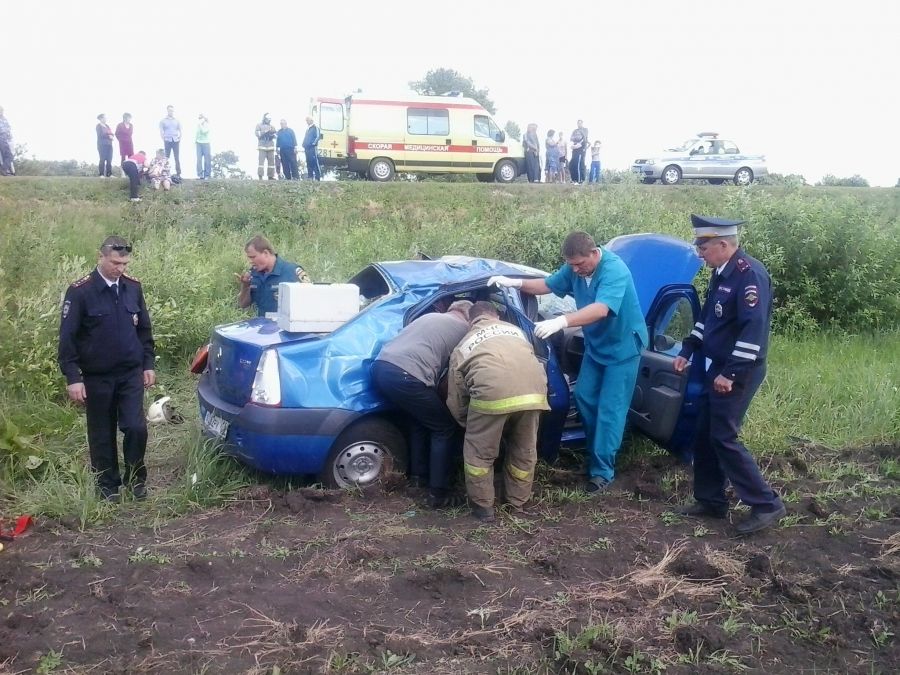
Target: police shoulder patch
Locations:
point(302, 276)
point(743, 265)
point(131, 278)
point(751, 296)
point(81, 282)
point(65, 308)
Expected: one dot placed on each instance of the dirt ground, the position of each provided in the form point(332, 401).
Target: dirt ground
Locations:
point(310, 581)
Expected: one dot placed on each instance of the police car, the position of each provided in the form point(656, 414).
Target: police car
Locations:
point(705, 156)
point(304, 402)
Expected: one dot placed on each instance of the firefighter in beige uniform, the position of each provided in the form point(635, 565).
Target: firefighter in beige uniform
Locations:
point(497, 391)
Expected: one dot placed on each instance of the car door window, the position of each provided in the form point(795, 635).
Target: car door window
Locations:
point(331, 117)
point(672, 324)
point(730, 148)
point(482, 126)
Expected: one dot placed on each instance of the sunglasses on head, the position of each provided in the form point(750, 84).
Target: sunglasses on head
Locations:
point(119, 247)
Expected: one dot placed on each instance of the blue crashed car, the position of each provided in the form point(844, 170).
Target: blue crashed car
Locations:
point(304, 403)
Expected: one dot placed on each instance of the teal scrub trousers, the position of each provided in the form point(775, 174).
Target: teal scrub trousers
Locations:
point(603, 394)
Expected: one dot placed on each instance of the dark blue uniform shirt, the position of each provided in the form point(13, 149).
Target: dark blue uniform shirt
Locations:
point(733, 330)
point(264, 287)
point(102, 332)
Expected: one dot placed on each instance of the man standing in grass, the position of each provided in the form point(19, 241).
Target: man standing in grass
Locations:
point(614, 335)
point(106, 354)
point(170, 133)
point(732, 337)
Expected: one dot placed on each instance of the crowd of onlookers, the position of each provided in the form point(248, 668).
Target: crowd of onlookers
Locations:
point(277, 151)
point(564, 161)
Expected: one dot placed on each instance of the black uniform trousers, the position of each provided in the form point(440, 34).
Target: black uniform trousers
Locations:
point(720, 457)
point(116, 401)
point(432, 429)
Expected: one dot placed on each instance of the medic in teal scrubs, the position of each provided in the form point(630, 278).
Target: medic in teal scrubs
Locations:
point(614, 335)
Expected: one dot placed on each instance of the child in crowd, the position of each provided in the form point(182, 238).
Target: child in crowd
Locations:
point(160, 172)
point(594, 176)
point(562, 149)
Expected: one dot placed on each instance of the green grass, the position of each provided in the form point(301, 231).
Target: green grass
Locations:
point(830, 387)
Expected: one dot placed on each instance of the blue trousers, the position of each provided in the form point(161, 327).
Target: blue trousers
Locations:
point(594, 176)
point(432, 429)
point(204, 160)
point(603, 394)
point(312, 164)
point(720, 457)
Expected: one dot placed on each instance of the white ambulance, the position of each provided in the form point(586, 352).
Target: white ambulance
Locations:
point(377, 137)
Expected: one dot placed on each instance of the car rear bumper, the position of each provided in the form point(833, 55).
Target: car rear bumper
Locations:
point(273, 440)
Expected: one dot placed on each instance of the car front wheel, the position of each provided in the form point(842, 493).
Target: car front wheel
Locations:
point(671, 175)
point(744, 176)
point(363, 454)
point(381, 169)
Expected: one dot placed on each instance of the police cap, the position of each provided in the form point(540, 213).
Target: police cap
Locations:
point(708, 227)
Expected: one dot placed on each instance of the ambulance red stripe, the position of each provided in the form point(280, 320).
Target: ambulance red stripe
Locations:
point(430, 147)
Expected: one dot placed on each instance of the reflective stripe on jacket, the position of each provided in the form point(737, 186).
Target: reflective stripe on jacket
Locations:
point(494, 371)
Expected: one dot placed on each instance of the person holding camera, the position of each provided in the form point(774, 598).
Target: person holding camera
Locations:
point(265, 134)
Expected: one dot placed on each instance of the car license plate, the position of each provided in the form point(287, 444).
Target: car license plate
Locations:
point(217, 426)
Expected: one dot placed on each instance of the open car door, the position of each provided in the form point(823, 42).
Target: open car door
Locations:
point(664, 406)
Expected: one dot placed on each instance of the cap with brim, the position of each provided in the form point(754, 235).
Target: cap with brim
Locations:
point(709, 227)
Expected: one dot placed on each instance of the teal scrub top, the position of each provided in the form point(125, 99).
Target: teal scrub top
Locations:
point(623, 333)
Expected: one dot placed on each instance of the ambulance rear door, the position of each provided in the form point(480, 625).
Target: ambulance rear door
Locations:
point(331, 116)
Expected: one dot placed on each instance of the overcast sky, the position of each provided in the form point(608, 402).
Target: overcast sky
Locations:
point(812, 85)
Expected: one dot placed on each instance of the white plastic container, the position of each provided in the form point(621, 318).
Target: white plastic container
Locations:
point(316, 308)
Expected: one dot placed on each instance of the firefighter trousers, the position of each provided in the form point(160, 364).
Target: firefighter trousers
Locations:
point(266, 156)
point(482, 446)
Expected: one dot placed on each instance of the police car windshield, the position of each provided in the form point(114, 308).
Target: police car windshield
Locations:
point(687, 145)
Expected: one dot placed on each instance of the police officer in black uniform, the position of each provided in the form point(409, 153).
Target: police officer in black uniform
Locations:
point(732, 335)
point(106, 354)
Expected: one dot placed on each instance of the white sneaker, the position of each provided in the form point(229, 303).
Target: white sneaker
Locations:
point(135, 199)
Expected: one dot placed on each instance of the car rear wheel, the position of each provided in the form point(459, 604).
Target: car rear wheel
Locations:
point(381, 169)
point(648, 181)
point(505, 171)
point(363, 454)
point(744, 176)
point(671, 175)
point(715, 181)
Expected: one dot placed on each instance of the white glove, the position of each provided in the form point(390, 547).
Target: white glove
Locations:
point(506, 282)
point(544, 329)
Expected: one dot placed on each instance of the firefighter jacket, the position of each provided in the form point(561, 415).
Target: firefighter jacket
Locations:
point(494, 371)
point(266, 134)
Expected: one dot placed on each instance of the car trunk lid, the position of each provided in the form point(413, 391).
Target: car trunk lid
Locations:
point(234, 353)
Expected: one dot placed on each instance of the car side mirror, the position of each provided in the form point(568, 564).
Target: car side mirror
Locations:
point(500, 136)
point(663, 343)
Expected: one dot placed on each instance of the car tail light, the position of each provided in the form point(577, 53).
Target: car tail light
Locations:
point(201, 359)
point(351, 147)
point(266, 388)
